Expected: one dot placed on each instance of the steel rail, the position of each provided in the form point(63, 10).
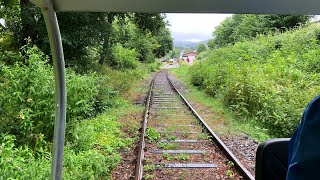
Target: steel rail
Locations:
point(142, 144)
point(242, 170)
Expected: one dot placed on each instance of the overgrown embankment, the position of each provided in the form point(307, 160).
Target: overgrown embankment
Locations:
point(270, 79)
point(93, 135)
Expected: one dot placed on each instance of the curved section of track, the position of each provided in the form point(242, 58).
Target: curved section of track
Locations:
point(177, 144)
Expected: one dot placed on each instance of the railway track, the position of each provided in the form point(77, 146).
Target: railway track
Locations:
point(177, 144)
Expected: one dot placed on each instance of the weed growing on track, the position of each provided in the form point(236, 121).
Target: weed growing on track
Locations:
point(182, 157)
point(148, 176)
point(171, 138)
point(203, 136)
point(149, 167)
point(167, 156)
point(230, 174)
point(152, 135)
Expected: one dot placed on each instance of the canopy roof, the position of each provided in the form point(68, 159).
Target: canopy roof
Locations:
point(192, 6)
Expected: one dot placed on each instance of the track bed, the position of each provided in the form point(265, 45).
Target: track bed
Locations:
point(177, 144)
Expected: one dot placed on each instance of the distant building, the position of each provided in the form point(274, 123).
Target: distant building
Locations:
point(181, 54)
point(191, 55)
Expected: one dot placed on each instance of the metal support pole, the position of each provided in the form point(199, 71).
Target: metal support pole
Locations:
point(60, 85)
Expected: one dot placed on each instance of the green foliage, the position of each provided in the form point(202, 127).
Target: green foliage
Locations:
point(166, 146)
point(270, 79)
point(82, 32)
point(154, 67)
point(103, 131)
point(152, 135)
point(230, 174)
point(93, 152)
point(149, 167)
point(167, 156)
point(27, 97)
point(120, 81)
point(9, 57)
point(131, 37)
point(203, 136)
point(240, 27)
point(148, 176)
point(202, 55)
point(20, 163)
point(123, 58)
point(165, 42)
point(171, 138)
point(182, 157)
point(201, 47)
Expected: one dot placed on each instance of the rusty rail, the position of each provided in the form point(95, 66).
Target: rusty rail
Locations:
point(139, 166)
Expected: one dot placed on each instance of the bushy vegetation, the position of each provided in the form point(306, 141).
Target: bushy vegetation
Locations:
point(27, 118)
point(124, 58)
point(201, 48)
point(92, 152)
point(27, 97)
point(241, 27)
point(270, 79)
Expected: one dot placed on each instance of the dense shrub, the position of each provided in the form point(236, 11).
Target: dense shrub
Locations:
point(270, 79)
point(124, 58)
point(27, 97)
point(20, 163)
point(27, 117)
point(202, 55)
point(92, 153)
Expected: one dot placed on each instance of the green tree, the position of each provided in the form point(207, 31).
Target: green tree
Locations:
point(201, 47)
point(165, 42)
point(84, 33)
point(79, 31)
point(246, 26)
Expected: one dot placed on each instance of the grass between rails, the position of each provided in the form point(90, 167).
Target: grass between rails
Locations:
point(221, 119)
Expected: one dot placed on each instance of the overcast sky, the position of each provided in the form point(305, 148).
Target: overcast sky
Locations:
point(193, 27)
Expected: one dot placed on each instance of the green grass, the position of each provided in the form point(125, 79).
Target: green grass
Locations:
point(182, 157)
point(233, 124)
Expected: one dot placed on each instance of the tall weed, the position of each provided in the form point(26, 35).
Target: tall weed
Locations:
point(27, 97)
point(270, 79)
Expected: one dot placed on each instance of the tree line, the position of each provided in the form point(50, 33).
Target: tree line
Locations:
point(84, 34)
point(240, 27)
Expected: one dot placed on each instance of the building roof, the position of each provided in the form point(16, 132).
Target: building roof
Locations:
point(190, 53)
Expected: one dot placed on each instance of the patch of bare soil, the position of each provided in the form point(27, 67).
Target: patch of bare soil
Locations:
point(243, 147)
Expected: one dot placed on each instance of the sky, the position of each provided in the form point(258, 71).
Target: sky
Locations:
point(2, 21)
point(193, 27)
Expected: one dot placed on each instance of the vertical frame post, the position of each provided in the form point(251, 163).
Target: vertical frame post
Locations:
point(60, 86)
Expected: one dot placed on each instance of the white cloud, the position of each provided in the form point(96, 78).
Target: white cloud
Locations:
point(200, 25)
